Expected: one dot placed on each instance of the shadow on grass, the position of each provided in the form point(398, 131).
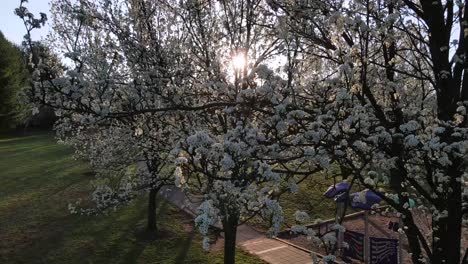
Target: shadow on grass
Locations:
point(185, 248)
point(99, 239)
point(143, 237)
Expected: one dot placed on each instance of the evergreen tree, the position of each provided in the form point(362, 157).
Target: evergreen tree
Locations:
point(13, 76)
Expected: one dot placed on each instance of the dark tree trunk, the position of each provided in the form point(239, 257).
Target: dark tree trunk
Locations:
point(413, 241)
point(397, 177)
point(152, 223)
point(230, 232)
point(447, 248)
point(454, 223)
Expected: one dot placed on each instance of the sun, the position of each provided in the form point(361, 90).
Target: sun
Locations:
point(239, 62)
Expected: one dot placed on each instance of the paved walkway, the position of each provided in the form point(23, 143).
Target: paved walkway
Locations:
point(270, 250)
point(275, 252)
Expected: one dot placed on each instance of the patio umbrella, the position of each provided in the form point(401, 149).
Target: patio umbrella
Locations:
point(371, 198)
point(336, 189)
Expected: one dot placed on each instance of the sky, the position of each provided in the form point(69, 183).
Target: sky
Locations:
point(12, 26)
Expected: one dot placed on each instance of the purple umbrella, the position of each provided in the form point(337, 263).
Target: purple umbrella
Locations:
point(333, 190)
point(371, 198)
point(341, 197)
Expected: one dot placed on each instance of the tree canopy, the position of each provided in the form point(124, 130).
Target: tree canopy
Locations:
point(247, 98)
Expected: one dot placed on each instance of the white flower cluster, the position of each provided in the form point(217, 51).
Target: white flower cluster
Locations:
point(275, 213)
point(179, 179)
point(301, 217)
point(207, 216)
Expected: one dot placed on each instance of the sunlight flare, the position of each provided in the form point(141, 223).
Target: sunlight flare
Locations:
point(239, 62)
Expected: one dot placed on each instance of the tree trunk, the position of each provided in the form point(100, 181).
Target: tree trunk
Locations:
point(152, 224)
point(413, 241)
point(397, 175)
point(446, 249)
point(230, 232)
point(454, 223)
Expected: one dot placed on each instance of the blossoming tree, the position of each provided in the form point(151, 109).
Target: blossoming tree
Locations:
point(391, 94)
point(231, 154)
point(112, 102)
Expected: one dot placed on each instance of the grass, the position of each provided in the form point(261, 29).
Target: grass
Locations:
point(38, 178)
point(310, 199)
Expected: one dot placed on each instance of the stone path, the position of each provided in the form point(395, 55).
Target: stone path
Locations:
point(270, 250)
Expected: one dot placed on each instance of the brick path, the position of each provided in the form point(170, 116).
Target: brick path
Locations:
point(275, 252)
point(270, 250)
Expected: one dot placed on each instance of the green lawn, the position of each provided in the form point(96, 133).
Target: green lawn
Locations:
point(38, 178)
point(309, 199)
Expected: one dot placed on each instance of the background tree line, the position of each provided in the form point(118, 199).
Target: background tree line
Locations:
point(14, 76)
